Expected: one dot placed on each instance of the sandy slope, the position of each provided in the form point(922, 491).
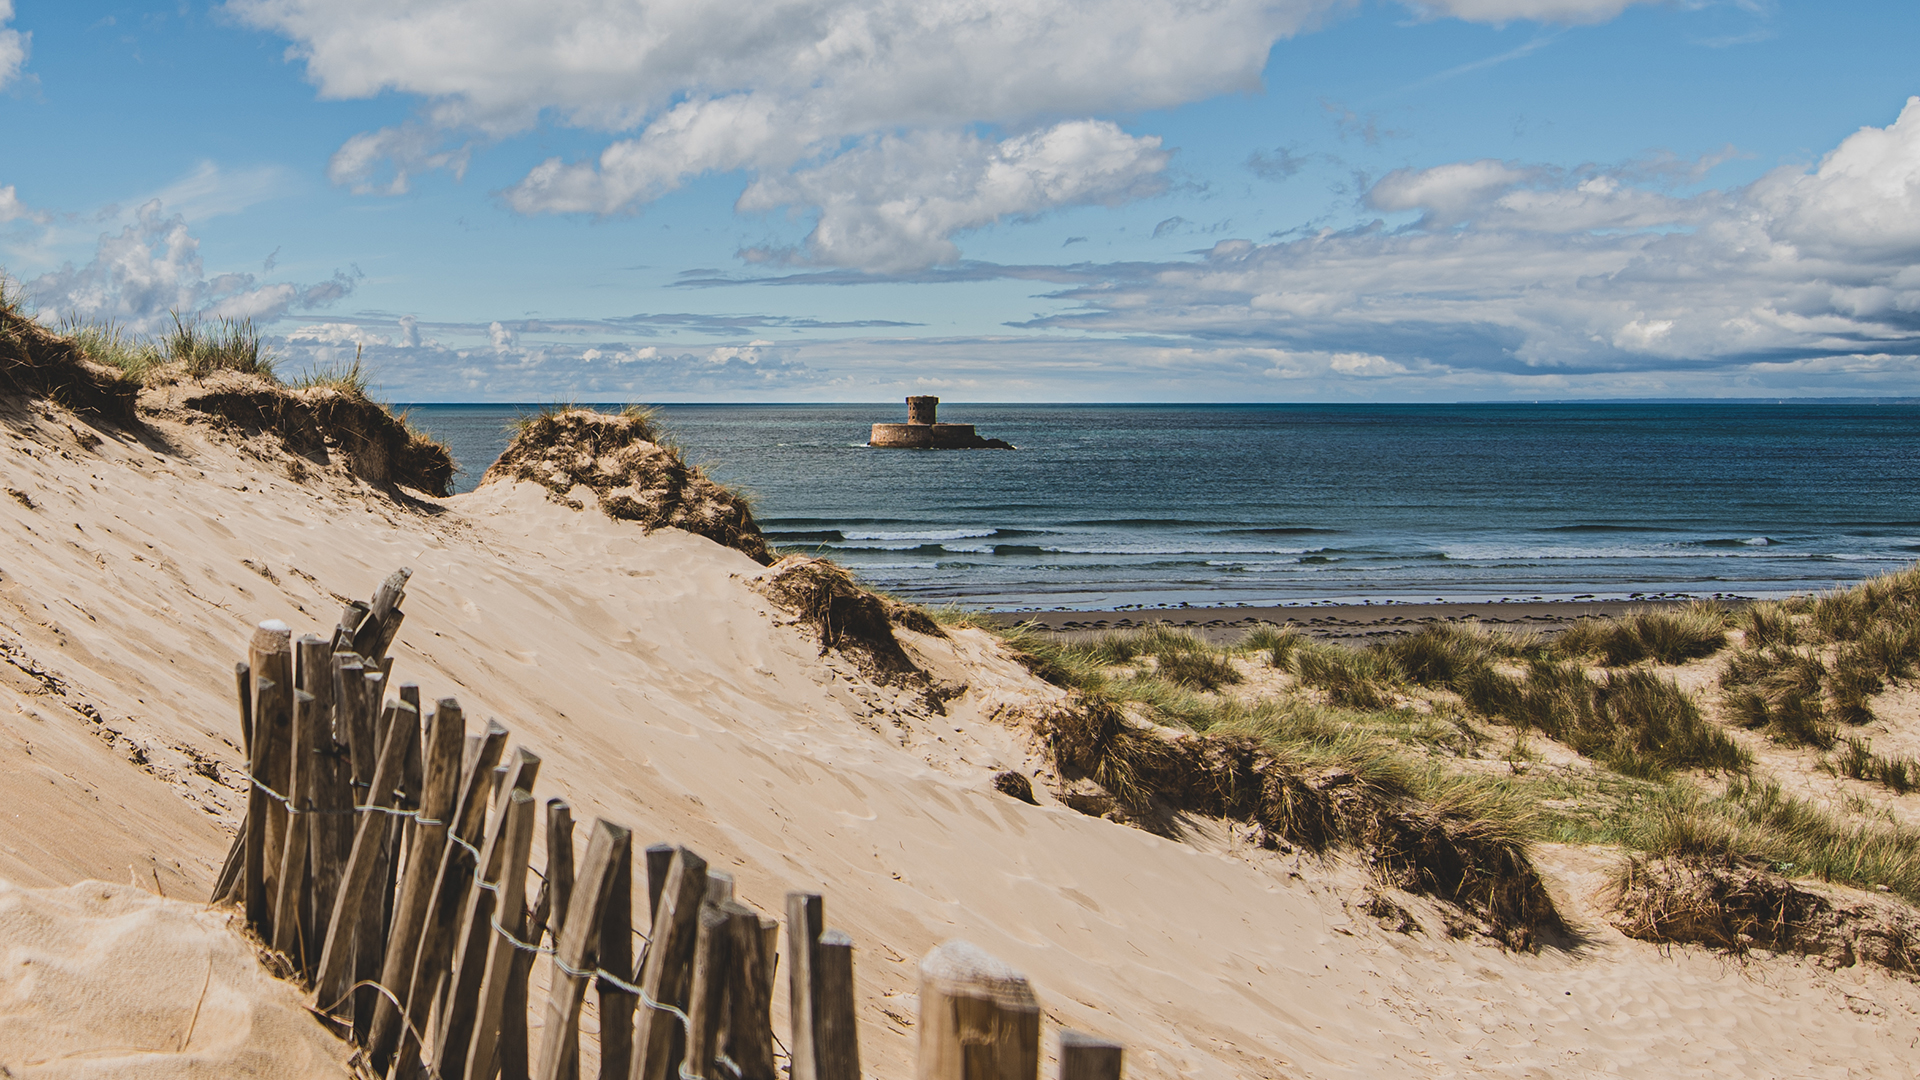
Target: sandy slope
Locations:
point(663, 692)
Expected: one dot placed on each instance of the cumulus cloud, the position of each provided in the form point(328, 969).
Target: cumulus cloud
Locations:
point(786, 89)
point(14, 45)
point(1505, 11)
point(895, 202)
point(384, 162)
point(1507, 195)
point(12, 209)
point(152, 268)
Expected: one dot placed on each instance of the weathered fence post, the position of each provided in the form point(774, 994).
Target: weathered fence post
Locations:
point(334, 679)
point(270, 655)
point(376, 632)
point(659, 857)
point(615, 953)
point(337, 968)
point(574, 954)
point(979, 1019)
point(749, 1018)
point(806, 918)
point(292, 923)
point(836, 1039)
point(549, 910)
point(1088, 1057)
point(232, 872)
point(446, 736)
point(659, 1042)
point(472, 945)
point(707, 987)
point(451, 882)
point(502, 950)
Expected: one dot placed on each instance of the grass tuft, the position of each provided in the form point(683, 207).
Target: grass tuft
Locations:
point(1278, 642)
point(109, 343)
point(1666, 636)
point(351, 379)
point(1858, 761)
point(1201, 671)
point(1354, 678)
point(222, 345)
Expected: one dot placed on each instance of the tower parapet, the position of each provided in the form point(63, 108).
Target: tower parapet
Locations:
point(923, 431)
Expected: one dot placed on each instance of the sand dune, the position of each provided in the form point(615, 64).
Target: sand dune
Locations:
point(665, 692)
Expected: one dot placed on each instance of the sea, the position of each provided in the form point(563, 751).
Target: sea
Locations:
point(1125, 507)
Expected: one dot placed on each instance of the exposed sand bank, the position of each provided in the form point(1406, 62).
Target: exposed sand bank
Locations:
point(665, 692)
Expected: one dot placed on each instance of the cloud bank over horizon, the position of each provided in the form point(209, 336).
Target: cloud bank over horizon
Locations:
point(844, 199)
point(1503, 278)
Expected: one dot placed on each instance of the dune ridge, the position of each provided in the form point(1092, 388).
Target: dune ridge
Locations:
point(667, 690)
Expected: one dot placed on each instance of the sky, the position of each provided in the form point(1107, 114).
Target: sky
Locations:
point(987, 200)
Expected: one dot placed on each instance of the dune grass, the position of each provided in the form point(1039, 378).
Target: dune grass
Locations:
point(1277, 642)
point(1665, 636)
point(109, 343)
point(1858, 761)
point(1807, 669)
point(220, 345)
point(349, 378)
point(1669, 781)
point(1356, 678)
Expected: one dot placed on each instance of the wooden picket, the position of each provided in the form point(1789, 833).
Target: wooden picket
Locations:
point(385, 857)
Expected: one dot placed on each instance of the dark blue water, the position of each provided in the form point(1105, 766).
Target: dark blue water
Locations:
point(1109, 506)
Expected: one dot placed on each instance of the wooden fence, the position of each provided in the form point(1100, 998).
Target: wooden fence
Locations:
point(385, 856)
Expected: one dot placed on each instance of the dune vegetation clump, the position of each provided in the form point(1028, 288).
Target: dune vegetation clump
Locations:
point(1324, 746)
point(222, 369)
point(1805, 669)
point(36, 362)
point(1665, 636)
point(633, 473)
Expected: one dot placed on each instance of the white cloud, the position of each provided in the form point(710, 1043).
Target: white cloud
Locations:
point(152, 268)
point(784, 89)
point(1505, 11)
point(1864, 199)
point(1445, 192)
point(210, 191)
point(12, 209)
point(337, 333)
point(1532, 273)
point(895, 202)
point(14, 46)
point(1497, 194)
point(705, 86)
point(408, 149)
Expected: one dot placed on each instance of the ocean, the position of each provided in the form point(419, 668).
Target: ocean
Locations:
point(1119, 507)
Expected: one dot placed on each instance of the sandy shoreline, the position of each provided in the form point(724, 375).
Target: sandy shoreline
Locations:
point(1334, 622)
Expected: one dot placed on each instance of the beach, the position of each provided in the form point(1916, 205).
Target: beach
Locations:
point(706, 693)
point(1345, 623)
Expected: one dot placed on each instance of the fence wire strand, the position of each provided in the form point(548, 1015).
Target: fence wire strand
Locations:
point(602, 974)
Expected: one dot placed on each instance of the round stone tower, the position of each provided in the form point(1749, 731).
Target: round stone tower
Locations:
point(923, 432)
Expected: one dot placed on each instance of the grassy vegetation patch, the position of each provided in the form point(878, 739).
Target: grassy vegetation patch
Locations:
point(1807, 668)
point(1663, 635)
point(1653, 774)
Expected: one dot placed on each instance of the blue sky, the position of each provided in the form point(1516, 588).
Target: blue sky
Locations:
point(991, 200)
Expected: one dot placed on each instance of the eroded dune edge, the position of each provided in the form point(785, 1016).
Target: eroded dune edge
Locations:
point(1248, 895)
